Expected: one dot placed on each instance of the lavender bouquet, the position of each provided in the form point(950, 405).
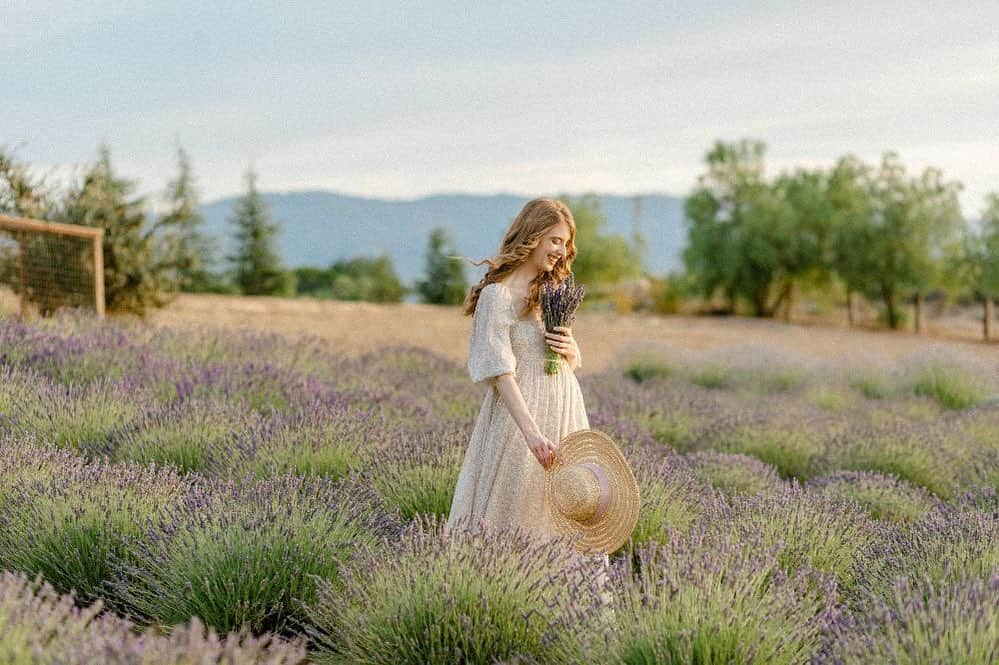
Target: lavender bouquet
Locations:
point(558, 308)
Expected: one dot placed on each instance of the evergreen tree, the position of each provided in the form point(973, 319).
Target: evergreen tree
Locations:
point(132, 282)
point(257, 266)
point(187, 254)
point(445, 282)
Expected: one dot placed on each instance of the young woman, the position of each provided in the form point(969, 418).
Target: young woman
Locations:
point(525, 412)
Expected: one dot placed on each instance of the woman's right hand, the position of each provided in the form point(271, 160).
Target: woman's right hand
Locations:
point(543, 448)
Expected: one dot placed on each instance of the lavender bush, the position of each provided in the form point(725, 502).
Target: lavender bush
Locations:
point(882, 496)
point(38, 625)
point(926, 621)
point(245, 555)
point(419, 473)
point(194, 435)
point(67, 522)
point(695, 599)
point(734, 473)
point(471, 594)
point(826, 532)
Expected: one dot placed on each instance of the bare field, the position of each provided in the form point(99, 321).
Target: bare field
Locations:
point(352, 328)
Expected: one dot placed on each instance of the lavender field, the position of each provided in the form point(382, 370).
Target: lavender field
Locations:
point(204, 496)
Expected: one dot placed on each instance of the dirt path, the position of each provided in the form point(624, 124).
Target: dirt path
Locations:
point(353, 328)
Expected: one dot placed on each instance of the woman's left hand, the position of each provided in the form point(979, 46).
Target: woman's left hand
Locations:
point(562, 342)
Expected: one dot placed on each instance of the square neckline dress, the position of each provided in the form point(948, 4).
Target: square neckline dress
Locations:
point(501, 481)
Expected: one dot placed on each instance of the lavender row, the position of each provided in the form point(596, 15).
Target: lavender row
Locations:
point(39, 625)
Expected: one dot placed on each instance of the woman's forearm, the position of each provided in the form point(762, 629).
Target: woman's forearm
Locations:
point(510, 393)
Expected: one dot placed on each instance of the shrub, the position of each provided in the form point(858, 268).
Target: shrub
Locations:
point(67, 523)
point(734, 473)
point(238, 555)
point(698, 600)
point(470, 594)
point(882, 496)
point(37, 625)
point(925, 621)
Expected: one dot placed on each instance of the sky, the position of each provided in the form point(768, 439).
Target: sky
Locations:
point(402, 100)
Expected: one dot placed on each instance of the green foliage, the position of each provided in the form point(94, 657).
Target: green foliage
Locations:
point(712, 603)
point(734, 473)
point(445, 282)
point(893, 232)
point(363, 278)
point(717, 211)
point(184, 251)
point(952, 386)
point(420, 486)
point(66, 525)
point(976, 265)
point(601, 259)
point(371, 279)
point(258, 269)
point(467, 595)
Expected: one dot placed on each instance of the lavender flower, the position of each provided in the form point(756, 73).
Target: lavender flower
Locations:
point(558, 308)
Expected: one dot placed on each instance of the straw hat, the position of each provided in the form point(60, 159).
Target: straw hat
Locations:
point(592, 491)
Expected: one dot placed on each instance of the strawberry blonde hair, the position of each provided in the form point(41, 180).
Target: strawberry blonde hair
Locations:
point(523, 235)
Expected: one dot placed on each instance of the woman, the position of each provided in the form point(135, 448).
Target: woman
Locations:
point(525, 412)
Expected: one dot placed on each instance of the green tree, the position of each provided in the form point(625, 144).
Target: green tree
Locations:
point(976, 268)
point(313, 281)
point(894, 232)
point(731, 196)
point(184, 251)
point(22, 194)
point(368, 279)
point(256, 264)
point(602, 259)
point(445, 282)
point(132, 282)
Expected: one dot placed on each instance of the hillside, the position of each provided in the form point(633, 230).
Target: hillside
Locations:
point(319, 227)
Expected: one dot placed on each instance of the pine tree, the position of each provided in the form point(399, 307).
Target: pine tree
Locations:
point(445, 283)
point(257, 266)
point(185, 252)
point(132, 282)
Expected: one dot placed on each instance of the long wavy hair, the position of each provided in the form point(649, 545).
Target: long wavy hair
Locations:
point(524, 234)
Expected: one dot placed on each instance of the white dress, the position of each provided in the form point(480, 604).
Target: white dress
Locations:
point(501, 481)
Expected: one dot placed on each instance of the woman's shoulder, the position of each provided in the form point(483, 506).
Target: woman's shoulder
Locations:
point(497, 290)
point(496, 296)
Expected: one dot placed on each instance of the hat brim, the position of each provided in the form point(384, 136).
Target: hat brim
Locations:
point(612, 529)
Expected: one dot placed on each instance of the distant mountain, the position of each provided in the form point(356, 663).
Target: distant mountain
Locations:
point(320, 227)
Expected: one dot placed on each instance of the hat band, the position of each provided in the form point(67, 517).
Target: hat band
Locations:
point(605, 492)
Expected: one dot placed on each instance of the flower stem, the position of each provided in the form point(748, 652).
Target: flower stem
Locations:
point(551, 362)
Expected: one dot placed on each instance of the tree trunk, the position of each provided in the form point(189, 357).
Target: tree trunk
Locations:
point(780, 300)
point(851, 307)
point(889, 297)
point(790, 301)
point(919, 314)
point(988, 319)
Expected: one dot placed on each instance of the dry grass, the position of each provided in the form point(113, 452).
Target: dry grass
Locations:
point(353, 328)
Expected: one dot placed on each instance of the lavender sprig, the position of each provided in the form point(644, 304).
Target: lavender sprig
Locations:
point(558, 308)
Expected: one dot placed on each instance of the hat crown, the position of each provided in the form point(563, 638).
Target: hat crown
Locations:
point(576, 491)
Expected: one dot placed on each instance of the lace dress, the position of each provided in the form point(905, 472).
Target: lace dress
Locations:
point(501, 481)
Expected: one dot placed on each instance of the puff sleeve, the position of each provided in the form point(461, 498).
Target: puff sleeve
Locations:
point(490, 353)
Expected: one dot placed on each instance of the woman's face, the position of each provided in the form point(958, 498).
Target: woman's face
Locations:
point(551, 248)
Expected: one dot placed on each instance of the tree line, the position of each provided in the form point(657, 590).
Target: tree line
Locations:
point(873, 229)
point(753, 243)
